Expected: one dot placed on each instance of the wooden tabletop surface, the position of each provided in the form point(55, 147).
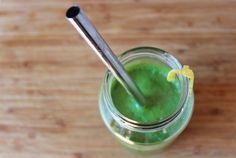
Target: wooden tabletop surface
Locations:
point(50, 79)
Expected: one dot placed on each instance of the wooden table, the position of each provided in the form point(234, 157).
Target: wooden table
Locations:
point(50, 79)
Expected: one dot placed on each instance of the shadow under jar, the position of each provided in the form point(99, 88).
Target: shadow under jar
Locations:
point(168, 108)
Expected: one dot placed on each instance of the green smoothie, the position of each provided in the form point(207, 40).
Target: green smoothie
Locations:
point(148, 67)
point(162, 97)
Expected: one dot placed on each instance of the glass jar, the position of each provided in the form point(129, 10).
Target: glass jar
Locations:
point(146, 137)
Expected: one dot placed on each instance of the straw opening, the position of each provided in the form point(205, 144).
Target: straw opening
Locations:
point(72, 12)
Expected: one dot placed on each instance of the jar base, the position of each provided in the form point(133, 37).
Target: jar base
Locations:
point(152, 147)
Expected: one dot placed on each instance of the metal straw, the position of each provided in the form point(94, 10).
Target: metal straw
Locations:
point(79, 20)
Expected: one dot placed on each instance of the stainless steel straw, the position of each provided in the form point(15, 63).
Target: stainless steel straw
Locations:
point(79, 20)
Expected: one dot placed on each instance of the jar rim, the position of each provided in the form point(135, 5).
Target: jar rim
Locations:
point(164, 57)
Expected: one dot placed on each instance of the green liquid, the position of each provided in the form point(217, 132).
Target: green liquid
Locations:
point(162, 96)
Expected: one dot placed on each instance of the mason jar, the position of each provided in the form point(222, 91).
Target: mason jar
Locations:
point(140, 136)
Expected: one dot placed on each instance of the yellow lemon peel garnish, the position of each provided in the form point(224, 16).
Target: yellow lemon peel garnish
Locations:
point(186, 71)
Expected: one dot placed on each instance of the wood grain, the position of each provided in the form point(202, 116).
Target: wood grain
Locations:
point(50, 79)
